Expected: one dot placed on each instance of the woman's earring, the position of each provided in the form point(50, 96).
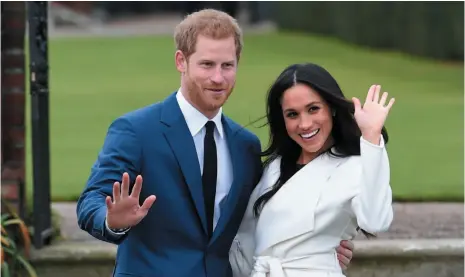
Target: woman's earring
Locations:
point(334, 113)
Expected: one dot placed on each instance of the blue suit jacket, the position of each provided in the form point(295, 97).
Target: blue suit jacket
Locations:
point(172, 239)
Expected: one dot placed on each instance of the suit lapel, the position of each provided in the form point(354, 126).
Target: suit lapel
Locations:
point(237, 162)
point(182, 144)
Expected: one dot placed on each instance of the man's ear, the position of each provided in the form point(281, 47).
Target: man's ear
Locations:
point(180, 61)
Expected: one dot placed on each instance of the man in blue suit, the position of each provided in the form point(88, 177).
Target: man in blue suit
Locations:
point(198, 164)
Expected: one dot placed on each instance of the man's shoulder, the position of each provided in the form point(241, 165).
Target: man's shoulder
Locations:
point(142, 113)
point(136, 121)
point(146, 113)
point(141, 119)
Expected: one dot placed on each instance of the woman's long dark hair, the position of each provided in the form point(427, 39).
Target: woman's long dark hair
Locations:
point(345, 132)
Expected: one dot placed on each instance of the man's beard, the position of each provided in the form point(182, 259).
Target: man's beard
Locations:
point(196, 91)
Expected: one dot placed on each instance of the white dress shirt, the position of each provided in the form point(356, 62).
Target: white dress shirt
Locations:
point(196, 123)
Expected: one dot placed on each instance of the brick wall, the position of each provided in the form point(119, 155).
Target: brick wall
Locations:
point(13, 104)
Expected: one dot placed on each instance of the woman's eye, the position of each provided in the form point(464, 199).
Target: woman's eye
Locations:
point(313, 109)
point(291, 114)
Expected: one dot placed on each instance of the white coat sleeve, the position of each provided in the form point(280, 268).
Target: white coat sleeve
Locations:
point(373, 203)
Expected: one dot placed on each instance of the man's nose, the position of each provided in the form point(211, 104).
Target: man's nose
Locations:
point(217, 76)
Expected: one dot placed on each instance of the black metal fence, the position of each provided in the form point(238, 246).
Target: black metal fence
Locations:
point(39, 91)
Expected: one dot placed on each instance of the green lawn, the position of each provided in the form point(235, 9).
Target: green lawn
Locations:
point(92, 81)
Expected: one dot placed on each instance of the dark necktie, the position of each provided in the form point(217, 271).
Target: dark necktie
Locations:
point(209, 174)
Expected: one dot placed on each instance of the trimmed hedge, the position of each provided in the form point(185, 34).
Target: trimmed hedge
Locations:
point(430, 29)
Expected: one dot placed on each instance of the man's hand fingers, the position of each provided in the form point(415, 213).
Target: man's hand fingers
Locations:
point(343, 266)
point(348, 244)
point(109, 203)
point(344, 260)
point(125, 185)
point(137, 187)
point(116, 192)
point(148, 203)
point(344, 252)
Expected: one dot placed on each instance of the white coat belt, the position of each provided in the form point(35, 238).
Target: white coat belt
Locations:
point(266, 266)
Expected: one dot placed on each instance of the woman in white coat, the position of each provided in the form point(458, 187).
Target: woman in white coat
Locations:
point(326, 177)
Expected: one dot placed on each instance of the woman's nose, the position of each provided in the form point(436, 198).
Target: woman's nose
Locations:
point(305, 123)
